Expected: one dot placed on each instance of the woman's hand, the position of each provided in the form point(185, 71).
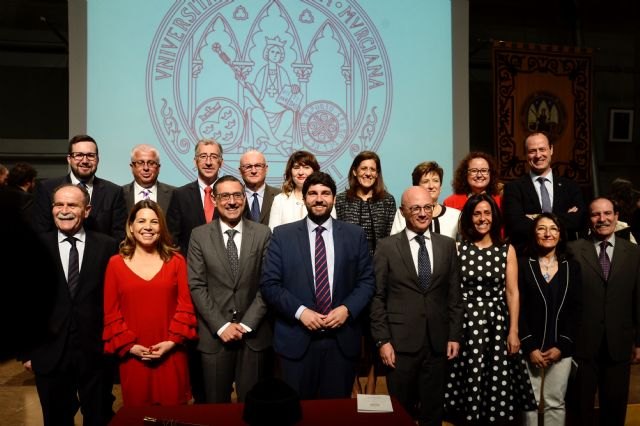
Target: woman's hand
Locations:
point(513, 343)
point(141, 352)
point(552, 355)
point(537, 359)
point(160, 349)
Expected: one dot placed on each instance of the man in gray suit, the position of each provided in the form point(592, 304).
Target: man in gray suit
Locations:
point(416, 312)
point(254, 167)
point(225, 264)
point(609, 334)
point(145, 167)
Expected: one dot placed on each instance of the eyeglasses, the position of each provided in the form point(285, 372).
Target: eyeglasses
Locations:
point(365, 169)
point(78, 156)
point(478, 171)
point(415, 210)
point(544, 230)
point(205, 157)
point(226, 196)
point(141, 163)
point(257, 166)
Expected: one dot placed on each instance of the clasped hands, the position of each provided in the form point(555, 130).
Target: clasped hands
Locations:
point(153, 352)
point(544, 359)
point(315, 321)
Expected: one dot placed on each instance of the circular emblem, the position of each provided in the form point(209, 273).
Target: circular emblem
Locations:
point(263, 75)
point(544, 112)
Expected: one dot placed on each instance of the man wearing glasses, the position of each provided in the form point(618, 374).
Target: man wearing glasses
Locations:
point(540, 191)
point(416, 311)
point(225, 263)
point(145, 167)
point(253, 168)
point(108, 209)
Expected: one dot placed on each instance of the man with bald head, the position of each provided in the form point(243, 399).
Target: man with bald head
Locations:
point(416, 312)
point(254, 167)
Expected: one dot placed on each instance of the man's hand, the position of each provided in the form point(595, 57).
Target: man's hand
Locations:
point(27, 365)
point(532, 216)
point(160, 349)
point(552, 355)
point(538, 359)
point(312, 320)
point(572, 209)
point(233, 332)
point(336, 317)
point(452, 349)
point(388, 355)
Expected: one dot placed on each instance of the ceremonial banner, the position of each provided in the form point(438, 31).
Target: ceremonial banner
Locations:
point(543, 88)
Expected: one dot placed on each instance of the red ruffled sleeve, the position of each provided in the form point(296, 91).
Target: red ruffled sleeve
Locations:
point(117, 337)
point(184, 323)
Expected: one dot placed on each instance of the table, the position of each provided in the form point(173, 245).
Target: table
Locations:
point(314, 413)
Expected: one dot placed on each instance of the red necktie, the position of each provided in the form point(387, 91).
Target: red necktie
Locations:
point(208, 204)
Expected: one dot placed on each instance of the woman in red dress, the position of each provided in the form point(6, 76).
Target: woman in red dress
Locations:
point(148, 312)
point(476, 174)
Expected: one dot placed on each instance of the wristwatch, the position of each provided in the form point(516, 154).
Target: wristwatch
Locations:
point(380, 343)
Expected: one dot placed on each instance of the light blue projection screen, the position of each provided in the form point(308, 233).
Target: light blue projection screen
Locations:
point(331, 77)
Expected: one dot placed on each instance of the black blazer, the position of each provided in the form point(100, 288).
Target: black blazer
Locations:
point(520, 199)
point(534, 315)
point(83, 313)
point(185, 212)
point(269, 194)
point(164, 195)
point(108, 209)
point(611, 308)
point(401, 312)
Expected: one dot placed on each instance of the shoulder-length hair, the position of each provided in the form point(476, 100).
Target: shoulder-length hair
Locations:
point(165, 246)
point(460, 184)
point(379, 190)
point(466, 227)
point(533, 249)
point(303, 158)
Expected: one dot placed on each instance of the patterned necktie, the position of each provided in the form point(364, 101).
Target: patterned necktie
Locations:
point(323, 292)
point(255, 208)
point(145, 193)
point(424, 265)
point(544, 195)
point(232, 252)
point(603, 259)
point(73, 272)
point(208, 204)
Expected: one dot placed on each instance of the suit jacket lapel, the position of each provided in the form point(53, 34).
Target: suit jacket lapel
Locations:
point(531, 193)
point(402, 244)
point(97, 194)
point(305, 251)
point(86, 268)
point(163, 194)
point(588, 252)
point(245, 248)
point(620, 253)
point(266, 202)
point(196, 203)
point(438, 261)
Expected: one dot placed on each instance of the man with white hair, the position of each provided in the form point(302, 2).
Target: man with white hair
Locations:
point(145, 167)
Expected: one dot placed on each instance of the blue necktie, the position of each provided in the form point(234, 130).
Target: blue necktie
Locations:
point(544, 196)
point(424, 265)
point(255, 208)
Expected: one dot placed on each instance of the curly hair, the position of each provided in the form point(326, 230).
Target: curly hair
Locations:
point(466, 227)
point(165, 246)
point(379, 189)
point(460, 183)
point(302, 158)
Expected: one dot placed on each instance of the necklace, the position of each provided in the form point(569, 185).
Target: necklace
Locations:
point(550, 262)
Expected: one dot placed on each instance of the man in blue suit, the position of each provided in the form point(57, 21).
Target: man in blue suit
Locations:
point(318, 278)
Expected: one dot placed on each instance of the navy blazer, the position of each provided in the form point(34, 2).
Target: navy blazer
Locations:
point(287, 283)
point(520, 199)
point(108, 209)
point(82, 315)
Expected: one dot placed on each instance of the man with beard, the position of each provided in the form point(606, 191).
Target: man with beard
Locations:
point(108, 210)
point(609, 332)
point(318, 278)
point(145, 167)
point(225, 262)
point(68, 362)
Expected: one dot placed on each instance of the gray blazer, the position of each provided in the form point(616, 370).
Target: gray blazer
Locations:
point(164, 195)
point(401, 312)
point(214, 291)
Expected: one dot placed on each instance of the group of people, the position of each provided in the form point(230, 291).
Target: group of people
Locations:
point(478, 309)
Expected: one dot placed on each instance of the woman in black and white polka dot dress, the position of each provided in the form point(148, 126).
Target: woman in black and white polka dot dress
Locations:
point(488, 382)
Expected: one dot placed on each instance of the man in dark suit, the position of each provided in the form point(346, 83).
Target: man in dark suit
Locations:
point(253, 168)
point(609, 332)
point(108, 210)
point(69, 363)
point(318, 278)
point(22, 182)
point(145, 167)
point(192, 205)
point(416, 312)
point(540, 191)
point(225, 263)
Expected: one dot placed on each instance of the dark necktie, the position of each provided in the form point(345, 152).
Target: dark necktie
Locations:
point(424, 265)
point(544, 195)
point(603, 259)
point(255, 208)
point(208, 204)
point(232, 251)
point(323, 292)
point(73, 272)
